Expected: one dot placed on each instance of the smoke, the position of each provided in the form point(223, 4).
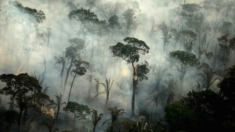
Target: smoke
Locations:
point(24, 49)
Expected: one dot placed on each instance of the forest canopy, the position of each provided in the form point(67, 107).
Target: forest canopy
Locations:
point(117, 66)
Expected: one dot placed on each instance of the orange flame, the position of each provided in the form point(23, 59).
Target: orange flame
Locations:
point(135, 69)
point(50, 112)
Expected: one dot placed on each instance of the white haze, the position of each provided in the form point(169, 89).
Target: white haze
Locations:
point(14, 59)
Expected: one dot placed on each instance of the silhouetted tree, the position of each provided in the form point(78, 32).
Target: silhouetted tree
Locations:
point(115, 113)
point(72, 53)
point(177, 116)
point(226, 48)
point(170, 85)
point(80, 70)
point(79, 110)
point(176, 35)
point(97, 86)
point(19, 85)
point(90, 23)
point(227, 85)
point(208, 77)
point(131, 53)
point(186, 60)
point(10, 117)
point(129, 17)
point(190, 12)
point(58, 103)
point(113, 22)
point(107, 85)
point(48, 35)
point(225, 28)
point(87, 18)
point(187, 38)
point(96, 118)
point(61, 60)
point(165, 32)
point(50, 123)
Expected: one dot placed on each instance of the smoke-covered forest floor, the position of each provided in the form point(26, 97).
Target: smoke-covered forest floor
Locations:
point(117, 65)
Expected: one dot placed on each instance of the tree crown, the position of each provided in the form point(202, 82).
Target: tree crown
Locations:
point(130, 52)
point(186, 58)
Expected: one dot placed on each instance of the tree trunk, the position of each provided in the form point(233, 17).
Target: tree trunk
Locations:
point(199, 46)
point(107, 100)
point(58, 110)
point(164, 46)
point(8, 128)
point(135, 82)
point(11, 107)
point(67, 75)
point(71, 87)
point(62, 70)
point(74, 120)
point(94, 128)
point(45, 68)
point(91, 59)
point(61, 84)
point(176, 44)
point(133, 98)
point(25, 117)
point(89, 94)
point(19, 120)
point(183, 72)
point(215, 58)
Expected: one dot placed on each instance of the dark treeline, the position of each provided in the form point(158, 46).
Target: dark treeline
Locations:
point(120, 66)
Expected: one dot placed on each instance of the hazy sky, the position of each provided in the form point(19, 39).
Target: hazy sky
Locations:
point(22, 49)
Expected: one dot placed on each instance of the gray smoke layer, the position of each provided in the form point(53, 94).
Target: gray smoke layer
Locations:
point(25, 48)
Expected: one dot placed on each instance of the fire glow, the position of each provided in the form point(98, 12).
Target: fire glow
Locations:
point(50, 112)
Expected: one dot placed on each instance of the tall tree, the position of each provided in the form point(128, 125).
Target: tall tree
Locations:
point(226, 48)
point(130, 19)
point(227, 85)
point(96, 118)
point(80, 70)
point(48, 35)
point(28, 17)
point(72, 53)
point(107, 85)
point(114, 22)
point(11, 117)
point(196, 20)
point(61, 60)
point(176, 35)
point(90, 23)
point(187, 37)
point(19, 85)
point(208, 77)
point(97, 86)
point(170, 85)
point(130, 52)
point(79, 110)
point(57, 104)
point(87, 18)
point(186, 60)
point(165, 32)
point(115, 114)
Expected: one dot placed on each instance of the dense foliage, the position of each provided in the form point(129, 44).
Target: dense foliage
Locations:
point(158, 66)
